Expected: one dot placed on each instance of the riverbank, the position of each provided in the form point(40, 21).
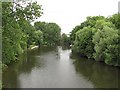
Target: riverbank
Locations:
point(4, 66)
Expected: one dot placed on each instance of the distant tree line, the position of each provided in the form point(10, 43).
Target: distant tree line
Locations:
point(51, 32)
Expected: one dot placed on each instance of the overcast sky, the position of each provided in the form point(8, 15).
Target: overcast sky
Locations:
point(69, 13)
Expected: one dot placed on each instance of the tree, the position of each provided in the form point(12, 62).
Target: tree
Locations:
point(15, 27)
point(90, 21)
point(106, 45)
point(83, 42)
point(98, 38)
point(12, 35)
point(51, 32)
point(73, 35)
point(65, 40)
point(38, 37)
point(26, 10)
point(115, 19)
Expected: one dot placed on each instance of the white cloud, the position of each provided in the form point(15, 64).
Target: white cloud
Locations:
point(69, 13)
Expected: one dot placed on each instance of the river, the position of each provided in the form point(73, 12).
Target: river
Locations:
point(57, 67)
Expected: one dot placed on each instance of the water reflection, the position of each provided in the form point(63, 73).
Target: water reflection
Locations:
point(65, 47)
point(55, 67)
point(27, 62)
point(10, 80)
point(101, 75)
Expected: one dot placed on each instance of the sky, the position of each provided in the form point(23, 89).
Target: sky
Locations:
point(69, 13)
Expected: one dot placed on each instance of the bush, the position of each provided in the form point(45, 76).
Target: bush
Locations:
point(106, 45)
point(83, 42)
point(99, 39)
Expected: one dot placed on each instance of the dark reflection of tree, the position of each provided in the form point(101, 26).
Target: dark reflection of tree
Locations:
point(119, 79)
point(45, 49)
point(10, 79)
point(26, 63)
point(65, 47)
point(28, 60)
point(101, 75)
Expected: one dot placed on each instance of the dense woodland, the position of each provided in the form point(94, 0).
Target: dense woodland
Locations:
point(96, 38)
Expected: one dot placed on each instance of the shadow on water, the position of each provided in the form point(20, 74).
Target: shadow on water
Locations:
point(101, 75)
point(26, 63)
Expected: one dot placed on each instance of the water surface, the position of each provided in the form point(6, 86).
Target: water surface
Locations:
point(57, 67)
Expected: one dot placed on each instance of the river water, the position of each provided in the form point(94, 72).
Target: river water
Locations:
point(57, 67)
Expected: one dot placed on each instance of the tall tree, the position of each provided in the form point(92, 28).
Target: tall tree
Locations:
point(51, 32)
point(15, 17)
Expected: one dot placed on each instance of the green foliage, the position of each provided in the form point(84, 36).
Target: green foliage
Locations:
point(33, 36)
point(40, 26)
point(27, 11)
point(98, 38)
point(101, 23)
point(115, 19)
point(12, 35)
point(38, 37)
point(106, 45)
point(65, 40)
point(91, 22)
point(16, 28)
point(73, 35)
point(51, 32)
point(83, 42)
point(19, 34)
